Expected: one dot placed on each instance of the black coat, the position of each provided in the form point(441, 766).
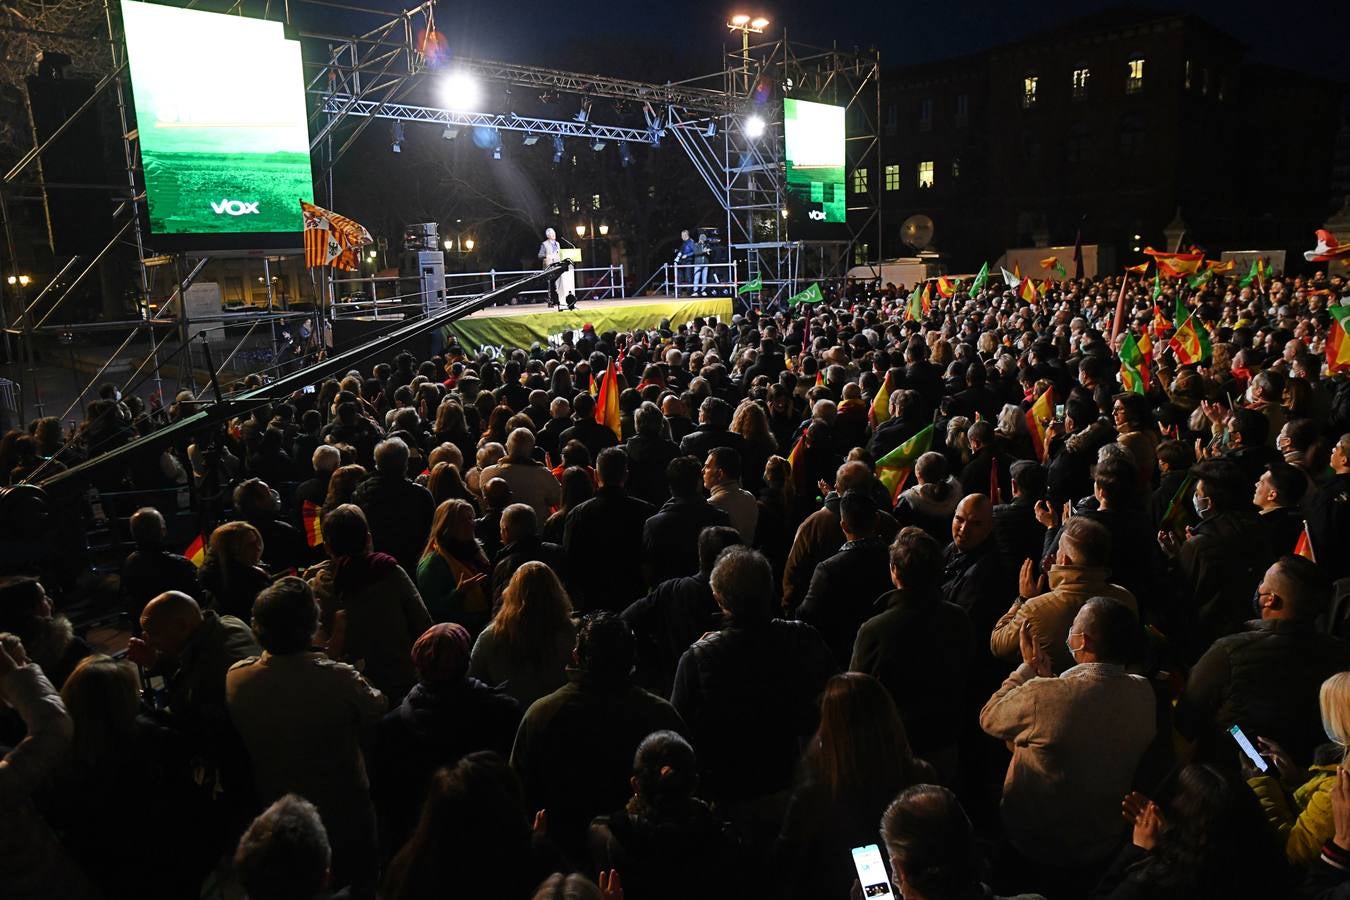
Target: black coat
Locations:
point(1265, 679)
point(594, 436)
point(515, 554)
point(690, 853)
point(670, 538)
point(891, 434)
point(1328, 513)
point(750, 696)
point(602, 538)
point(148, 573)
point(647, 461)
point(1284, 526)
point(698, 442)
point(1221, 565)
point(977, 476)
point(844, 591)
point(399, 513)
point(1017, 534)
point(665, 623)
point(921, 650)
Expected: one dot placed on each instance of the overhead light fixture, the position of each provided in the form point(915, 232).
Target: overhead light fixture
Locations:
point(759, 24)
point(557, 149)
point(604, 230)
point(397, 145)
point(754, 127)
point(468, 244)
point(739, 20)
point(581, 231)
point(530, 139)
point(449, 244)
point(597, 145)
point(450, 132)
point(459, 91)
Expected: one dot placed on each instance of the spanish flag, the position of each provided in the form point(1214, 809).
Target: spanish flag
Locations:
point(947, 286)
point(1304, 546)
point(801, 478)
point(1027, 291)
point(196, 551)
point(1037, 417)
point(881, 403)
point(331, 239)
point(1146, 347)
point(1186, 343)
point(895, 467)
point(310, 517)
point(820, 377)
point(1214, 265)
point(1338, 345)
point(1160, 323)
point(926, 298)
point(607, 402)
point(1139, 269)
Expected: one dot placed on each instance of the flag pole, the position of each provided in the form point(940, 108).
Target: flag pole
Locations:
point(1120, 306)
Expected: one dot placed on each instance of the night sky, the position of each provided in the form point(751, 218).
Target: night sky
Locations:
point(654, 41)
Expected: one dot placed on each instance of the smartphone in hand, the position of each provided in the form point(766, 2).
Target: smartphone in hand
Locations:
point(1249, 749)
point(872, 875)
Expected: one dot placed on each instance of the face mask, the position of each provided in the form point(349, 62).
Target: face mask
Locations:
point(1202, 505)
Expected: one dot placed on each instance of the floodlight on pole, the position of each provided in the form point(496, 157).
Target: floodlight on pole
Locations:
point(459, 91)
point(758, 24)
point(754, 126)
point(738, 20)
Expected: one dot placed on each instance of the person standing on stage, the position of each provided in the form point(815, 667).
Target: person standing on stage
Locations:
point(551, 253)
point(701, 266)
point(684, 256)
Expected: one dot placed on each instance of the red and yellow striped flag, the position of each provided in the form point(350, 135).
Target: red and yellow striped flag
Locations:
point(881, 403)
point(310, 517)
point(1037, 418)
point(196, 551)
point(1186, 343)
point(820, 377)
point(1027, 291)
point(1304, 546)
point(1338, 344)
point(331, 239)
point(1139, 269)
point(607, 402)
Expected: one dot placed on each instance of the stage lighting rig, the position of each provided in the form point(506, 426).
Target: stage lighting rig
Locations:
point(459, 91)
point(754, 127)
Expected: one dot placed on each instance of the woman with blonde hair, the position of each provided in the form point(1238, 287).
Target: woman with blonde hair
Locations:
point(231, 575)
point(452, 574)
point(528, 645)
point(751, 422)
point(1297, 802)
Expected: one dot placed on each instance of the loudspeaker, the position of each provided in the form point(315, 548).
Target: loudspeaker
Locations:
point(79, 220)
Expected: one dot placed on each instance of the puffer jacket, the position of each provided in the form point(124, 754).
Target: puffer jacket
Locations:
point(923, 507)
point(1303, 820)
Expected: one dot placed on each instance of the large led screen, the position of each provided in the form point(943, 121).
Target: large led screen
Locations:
point(813, 143)
point(220, 110)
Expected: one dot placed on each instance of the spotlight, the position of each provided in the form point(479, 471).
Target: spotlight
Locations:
point(557, 149)
point(397, 145)
point(450, 132)
point(625, 155)
point(529, 140)
point(459, 91)
point(604, 230)
point(711, 130)
point(754, 127)
point(740, 20)
point(597, 145)
point(581, 231)
point(759, 24)
point(497, 152)
point(584, 114)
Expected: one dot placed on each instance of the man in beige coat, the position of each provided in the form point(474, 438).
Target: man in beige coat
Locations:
point(300, 715)
point(1079, 573)
point(531, 483)
point(1076, 740)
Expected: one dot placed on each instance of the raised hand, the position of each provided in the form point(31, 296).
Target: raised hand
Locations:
point(611, 888)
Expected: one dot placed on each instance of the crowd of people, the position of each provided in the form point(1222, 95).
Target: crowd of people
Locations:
point(459, 632)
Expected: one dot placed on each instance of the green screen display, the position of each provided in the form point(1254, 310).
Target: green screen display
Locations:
point(220, 109)
point(813, 143)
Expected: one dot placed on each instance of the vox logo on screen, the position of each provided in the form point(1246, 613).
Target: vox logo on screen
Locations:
point(235, 208)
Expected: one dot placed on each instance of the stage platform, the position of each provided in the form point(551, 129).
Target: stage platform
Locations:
point(521, 326)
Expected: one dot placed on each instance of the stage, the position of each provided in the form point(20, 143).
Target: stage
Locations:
point(521, 326)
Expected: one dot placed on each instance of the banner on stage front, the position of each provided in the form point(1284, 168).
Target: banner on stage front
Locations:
point(547, 327)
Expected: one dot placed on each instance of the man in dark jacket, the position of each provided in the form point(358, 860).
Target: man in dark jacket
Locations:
point(1266, 678)
point(845, 587)
point(1328, 511)
point(283, 545)
point(574, 750)
point(1221, 562)
point(603, 539)
point(1017, 534)
point(649, 453)
point(521, 544)
point(1248, 446)
point(594, 436)
point(398, 510)
point(670, 537)
point(750, 691)
point(923, 376)
point(713, 431)
point(676, 613)
point(1278, 492)
point(150, 569)
point(445, 716)
point(904, 423)
point(920, 648)
point(987, 471)
point(549, 437)
point(972, 572)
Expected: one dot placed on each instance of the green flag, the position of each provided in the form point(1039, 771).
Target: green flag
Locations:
point(1176, 516)
point(895, 467)
point(1199, 279)
point(1246, 280)
point(1181, 315)
point(751, 287)
point(810, 295)
point(1201, 332)
point(980, 278)
point(1059, 269)
point(1131, 358)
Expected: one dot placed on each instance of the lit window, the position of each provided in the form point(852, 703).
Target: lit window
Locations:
point(926, 114)
point(595, 201)
point(1134, 80)
point(1186, 79)
point(1029, 84)
point(859, 181)
point(926, 174)
point(861, 252)
point(1080, 82)
point(893, 177)
point(956, 167)
point(962, 110)
point(572, 204)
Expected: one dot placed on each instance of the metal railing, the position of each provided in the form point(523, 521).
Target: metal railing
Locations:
point(385, 297)
point(688, 279)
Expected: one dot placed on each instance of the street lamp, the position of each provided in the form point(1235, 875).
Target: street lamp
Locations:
point(468, 245)
point(20, 280)
point(604, 230)
point(581, 231)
